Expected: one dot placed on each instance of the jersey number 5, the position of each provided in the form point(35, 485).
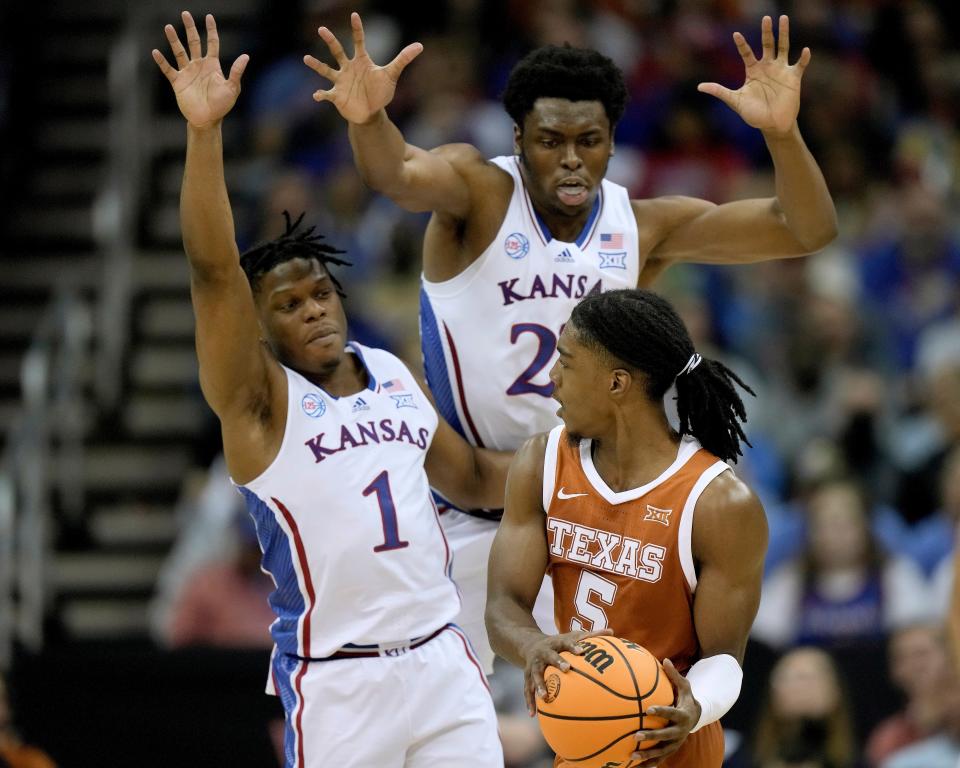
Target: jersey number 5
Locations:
point(591, 616)
point(547, 344)
point(388, 513)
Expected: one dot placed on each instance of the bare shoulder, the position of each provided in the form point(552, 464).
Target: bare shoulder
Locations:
point(469, 162)
point(729, 517)
point(529, 459)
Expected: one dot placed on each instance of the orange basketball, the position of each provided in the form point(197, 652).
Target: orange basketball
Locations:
point(590, 713)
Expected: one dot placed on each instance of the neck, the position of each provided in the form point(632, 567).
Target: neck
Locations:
point(347, 377)
point(637, 447)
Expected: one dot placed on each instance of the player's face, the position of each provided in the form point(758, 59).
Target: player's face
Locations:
point(302, 317)
point(565, 147)
point(579, 379)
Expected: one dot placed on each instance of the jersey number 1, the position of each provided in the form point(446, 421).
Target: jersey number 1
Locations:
point(388, 513)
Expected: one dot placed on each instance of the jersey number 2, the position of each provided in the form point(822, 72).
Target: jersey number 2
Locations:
point(547, 343)
point(591, 616)
point(388, 513)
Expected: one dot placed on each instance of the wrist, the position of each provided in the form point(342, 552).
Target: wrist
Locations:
point(376, 119)
point(210, 127)
point(772, 136)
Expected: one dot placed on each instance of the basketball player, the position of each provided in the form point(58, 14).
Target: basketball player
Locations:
point(644, 532)
point(328, 442)
point(518, 241)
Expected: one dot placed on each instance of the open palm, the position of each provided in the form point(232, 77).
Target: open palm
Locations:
point(769, 98)
point(361, 88)
point(203, 94)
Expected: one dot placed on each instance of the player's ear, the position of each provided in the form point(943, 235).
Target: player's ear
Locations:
point(621, 381)
point(517, 137)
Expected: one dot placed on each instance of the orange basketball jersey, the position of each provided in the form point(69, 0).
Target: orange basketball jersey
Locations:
point(624, 559)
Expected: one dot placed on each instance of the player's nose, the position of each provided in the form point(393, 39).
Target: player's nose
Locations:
point(571, 160)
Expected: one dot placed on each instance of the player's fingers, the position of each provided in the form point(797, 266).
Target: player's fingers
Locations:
point(783, 38)
point(323, 95)
point(803, 61)
point(356, 26)
point(528, 693)
point(725, 95)
point(238, 68)
point(766, 36)
point(584, 633)
point(193, 37)
point(213, 38)
point(746, 52)
point(678, 680)
point(176, 46)
point(324, 70)
point(649, 758)
point(536, 678)
point(168, 71)
point(402, 59)
point(333, 44)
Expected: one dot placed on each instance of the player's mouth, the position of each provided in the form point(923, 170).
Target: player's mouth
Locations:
point(573, 192)
point(322, 336)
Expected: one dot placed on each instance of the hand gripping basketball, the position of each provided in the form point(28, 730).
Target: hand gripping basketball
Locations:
point(681, 718)
point(544, 653)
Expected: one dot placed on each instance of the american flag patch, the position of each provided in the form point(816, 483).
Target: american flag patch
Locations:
point(394, 385)
point(608, 240)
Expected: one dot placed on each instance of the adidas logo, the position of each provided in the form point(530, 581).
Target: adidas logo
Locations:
point(360, 405)
point(564, 256)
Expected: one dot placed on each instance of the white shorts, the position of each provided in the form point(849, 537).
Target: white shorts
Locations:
point(470, 538)
point(427, 707)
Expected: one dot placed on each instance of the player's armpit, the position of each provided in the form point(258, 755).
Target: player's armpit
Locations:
point(729, 545)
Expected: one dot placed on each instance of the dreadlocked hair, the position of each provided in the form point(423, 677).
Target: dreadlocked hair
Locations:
point(643, 331)
point(260, 259)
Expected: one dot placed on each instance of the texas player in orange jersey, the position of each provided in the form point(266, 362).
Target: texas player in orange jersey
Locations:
point(645, 531)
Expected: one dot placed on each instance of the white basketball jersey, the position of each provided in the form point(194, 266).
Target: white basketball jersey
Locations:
point(489, 335)
point(348, 528)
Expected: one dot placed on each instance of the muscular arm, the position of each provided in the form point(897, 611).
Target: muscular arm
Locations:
point(472, 478)
point(518, 558)
point(415, 179)
point(729, 546)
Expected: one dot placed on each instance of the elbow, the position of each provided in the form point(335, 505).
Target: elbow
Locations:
point(825, 234)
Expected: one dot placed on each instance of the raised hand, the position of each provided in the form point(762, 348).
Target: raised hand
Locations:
point(770, 96)
point(204, 95)
point(360, 87)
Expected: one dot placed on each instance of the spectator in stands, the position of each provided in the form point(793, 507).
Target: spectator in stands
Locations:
point(842, 589)
point(942, 748)
point(13, 752)
point(225, 603)
point(807, 721)
point(918, 665)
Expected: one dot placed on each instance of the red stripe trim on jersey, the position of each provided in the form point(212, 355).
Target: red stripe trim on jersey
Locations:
point(469, 652)
point(298, 722)
point(446, 546)
point(463, 398)
point(305, 569)
point(596, 221)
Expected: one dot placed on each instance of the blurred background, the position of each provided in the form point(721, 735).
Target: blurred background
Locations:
point(132, 612)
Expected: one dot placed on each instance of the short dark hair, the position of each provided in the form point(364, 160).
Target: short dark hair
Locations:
point(260, 259)
point(565, 72)
point(644, 332)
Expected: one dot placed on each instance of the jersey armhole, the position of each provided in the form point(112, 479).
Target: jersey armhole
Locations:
point(550, 465)
point(685, 533)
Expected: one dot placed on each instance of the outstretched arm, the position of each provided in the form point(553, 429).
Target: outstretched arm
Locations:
point(799, 220)
point(413, 178)
point(470, 477)
point(235, 371)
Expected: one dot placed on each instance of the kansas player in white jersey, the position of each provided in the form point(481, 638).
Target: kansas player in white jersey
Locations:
point(330, 443)
point(565, 103)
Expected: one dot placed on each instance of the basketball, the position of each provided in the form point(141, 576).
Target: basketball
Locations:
point(590, 713)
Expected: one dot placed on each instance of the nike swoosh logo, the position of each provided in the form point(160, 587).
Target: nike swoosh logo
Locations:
point(562, 495)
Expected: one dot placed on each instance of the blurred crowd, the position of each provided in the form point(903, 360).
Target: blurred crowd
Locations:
point(854, 353)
